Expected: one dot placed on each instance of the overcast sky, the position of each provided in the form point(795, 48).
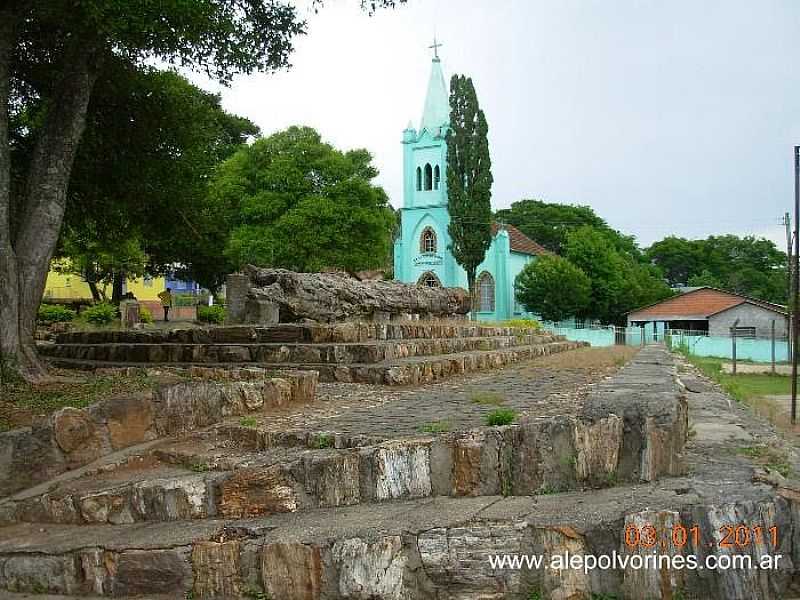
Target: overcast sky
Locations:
point(673, 117)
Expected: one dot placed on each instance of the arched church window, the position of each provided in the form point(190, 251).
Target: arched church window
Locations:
point(429, 279)
point(427, 241)
point(419, 179)
point(428, 177)
point(436, 177)
point(485, 292)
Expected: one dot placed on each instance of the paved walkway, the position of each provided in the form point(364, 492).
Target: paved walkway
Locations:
point(554, 385)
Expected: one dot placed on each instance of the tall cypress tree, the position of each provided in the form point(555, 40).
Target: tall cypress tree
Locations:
point(469, 180)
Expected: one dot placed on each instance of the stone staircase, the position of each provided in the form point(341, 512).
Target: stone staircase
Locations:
point(219, 505)
point(387, 353)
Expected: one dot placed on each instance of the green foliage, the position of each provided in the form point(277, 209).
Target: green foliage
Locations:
point(100, 314)
point(211, 314)
point(531, 324)
point(323, 440)
point(145, 316)
point(54, 313)
point(435, 427)
point(549, 223)
point(293, 201)
point(137, 195)
point(618, 283)
point(469, 179)
point(771, 457)
point(501, 416)
point(199, 467)
point(745, 265)
point(553, 288)
point(248, 422)
point(487, 398)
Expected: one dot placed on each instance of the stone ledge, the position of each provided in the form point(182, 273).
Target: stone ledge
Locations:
point(73, 437)
point(407, 550)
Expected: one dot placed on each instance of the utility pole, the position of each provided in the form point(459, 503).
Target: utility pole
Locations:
point(787, 222)
point(795, 280)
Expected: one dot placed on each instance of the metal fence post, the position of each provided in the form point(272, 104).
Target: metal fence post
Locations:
point(773, 346)
point(733, 344)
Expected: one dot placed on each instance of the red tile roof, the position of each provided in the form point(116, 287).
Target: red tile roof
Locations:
point(702, 302)
point(519, 241)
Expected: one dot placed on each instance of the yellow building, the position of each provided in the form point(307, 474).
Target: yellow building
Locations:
point(69, 286)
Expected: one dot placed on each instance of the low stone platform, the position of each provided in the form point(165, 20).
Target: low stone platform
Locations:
point(236, 511)
point(389, 353)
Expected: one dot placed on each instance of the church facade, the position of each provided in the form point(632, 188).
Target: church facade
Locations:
point(422, 251)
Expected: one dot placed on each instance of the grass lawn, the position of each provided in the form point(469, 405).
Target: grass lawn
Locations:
point(20, 402)
point(743, 387)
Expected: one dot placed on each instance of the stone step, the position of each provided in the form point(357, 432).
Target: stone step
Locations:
point(236, 471)
point(72, 437)
point(296, 333)
point(374, 351)
point(417, 549)
point(401, 371)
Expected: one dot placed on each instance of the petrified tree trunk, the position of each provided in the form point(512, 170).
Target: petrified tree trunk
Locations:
point(331, 297)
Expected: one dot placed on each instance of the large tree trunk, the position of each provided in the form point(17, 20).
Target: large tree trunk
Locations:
point(25, 253)
point(9, 296)
point(116, 287)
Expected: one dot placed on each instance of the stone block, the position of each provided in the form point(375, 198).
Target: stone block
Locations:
point(292, 571)
point(141, 572)
point(216, 568)
point(256, 491)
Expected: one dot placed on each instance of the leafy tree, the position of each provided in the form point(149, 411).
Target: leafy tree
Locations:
point(745, 265)
point(549, 223)
point(469, 180)
point(293, 201)
point(140, 180)
point(554, 288)
point(51, 54)
point(619, 283)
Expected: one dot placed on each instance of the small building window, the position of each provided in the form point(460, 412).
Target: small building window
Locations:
point(427, 241)
point(436, 177)
point(148, 281)
point(419, 179)
point(429, 279)
point(485, 292)
point(428, 177)
point(744, 332)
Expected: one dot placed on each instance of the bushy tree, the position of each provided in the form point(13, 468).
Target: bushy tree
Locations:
point(469, 180)
point(290, 200)
point(51, 55)
point(745, 265)
point(553, 288)
point(619, 283)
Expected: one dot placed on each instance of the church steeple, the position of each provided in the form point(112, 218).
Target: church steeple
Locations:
point(436, 113)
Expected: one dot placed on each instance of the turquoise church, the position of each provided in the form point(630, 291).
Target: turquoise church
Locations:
point(422, 251)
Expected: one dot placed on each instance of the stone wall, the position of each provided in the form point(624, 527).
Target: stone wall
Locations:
point(72, 437)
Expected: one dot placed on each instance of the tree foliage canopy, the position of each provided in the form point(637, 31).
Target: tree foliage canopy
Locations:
point(290, 200)
point(745, 265)
point(553, 288)
point(469, 179)
point(549, 223)
point(619, 283)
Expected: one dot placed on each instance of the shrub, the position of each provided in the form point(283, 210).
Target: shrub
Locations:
point(54, 313)
point(211, 314)
point(501, 416)
point(523, 324)
point(100, 314)
point(145, 316)
point(435, 427)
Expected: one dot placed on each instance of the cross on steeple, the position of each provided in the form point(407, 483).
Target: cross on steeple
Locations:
point(435, 47)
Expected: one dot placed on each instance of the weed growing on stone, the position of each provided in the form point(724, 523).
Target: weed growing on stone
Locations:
point(199, 467)
point(255, 594)
point(487, 399)
point(772, 458)
point(548, 490)
point(535, 595)
point(323, 440)
point(596, 596)
point(248, 422)
point(501, 416)
point(435, 427)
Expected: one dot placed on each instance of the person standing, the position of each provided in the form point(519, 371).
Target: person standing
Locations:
point(166, 302)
